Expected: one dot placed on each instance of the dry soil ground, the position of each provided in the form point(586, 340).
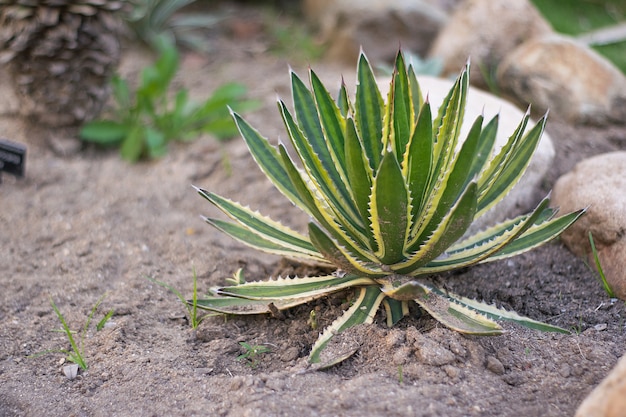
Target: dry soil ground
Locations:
point(82, 226)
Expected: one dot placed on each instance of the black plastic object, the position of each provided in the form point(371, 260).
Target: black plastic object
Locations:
point(12, 158)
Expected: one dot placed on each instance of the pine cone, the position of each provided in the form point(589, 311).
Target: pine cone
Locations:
point(61, 55)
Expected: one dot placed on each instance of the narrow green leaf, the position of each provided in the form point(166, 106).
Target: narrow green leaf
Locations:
point(416, 92)
point(417, 162)
point(513, 169)
point(448, 123)
point(369, 107)
point(390, 210)
point(342, 100)
point(362, 311)
point(104, 132)
point(402, 108)
point(332, 122)
point(453, 185)
point(261, 225)
point(331, 187)
point(537, 235)
point(359, 173)
point(247, 237)
point(133, 144)
point(286, 288)
point(496, 313)
point(321, 212)
point(241, 306)
point(268, 159)
point(486, 144)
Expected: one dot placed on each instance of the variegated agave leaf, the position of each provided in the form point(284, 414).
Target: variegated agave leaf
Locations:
point(391, 191)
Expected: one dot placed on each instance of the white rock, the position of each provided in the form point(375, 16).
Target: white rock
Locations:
point(609, 398)
point(485, 31)
point(598, 182)
point(567, 77)
point(379, 26)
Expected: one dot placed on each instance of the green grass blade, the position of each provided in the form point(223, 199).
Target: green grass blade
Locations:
point(76, 355)
point(362, 311)
point(596, 258)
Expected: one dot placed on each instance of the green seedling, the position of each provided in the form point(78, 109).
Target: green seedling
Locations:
point(607, 288)
point(190, 305)
point(251, 353)
point(146, 120)
point(76, 355)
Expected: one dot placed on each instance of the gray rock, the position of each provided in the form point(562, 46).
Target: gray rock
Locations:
point(609, 398)
point(598, 182)
point(572, 80)
point(485, 31)
point(379, 26)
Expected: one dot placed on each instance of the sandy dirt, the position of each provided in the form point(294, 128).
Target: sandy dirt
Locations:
point(82, 226)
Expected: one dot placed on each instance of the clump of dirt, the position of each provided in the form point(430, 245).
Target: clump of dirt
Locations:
point(80, 227)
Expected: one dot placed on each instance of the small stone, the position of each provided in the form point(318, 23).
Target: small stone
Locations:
point(495, 366)
point(452, 371)
point(593, 183)
point(569, 78)
point(432, 353)
point(565, 370)
point(290, 354)
point(486, 30)
point(609, 398)
point(70, 371)
point(374, 25)
point(600, 327)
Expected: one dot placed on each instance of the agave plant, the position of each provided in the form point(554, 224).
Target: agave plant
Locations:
point(391, 194)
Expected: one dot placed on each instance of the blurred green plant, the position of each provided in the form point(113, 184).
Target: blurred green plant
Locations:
point(251, 353)
point(146, 120)
point(151, 19)
point(582, 16)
